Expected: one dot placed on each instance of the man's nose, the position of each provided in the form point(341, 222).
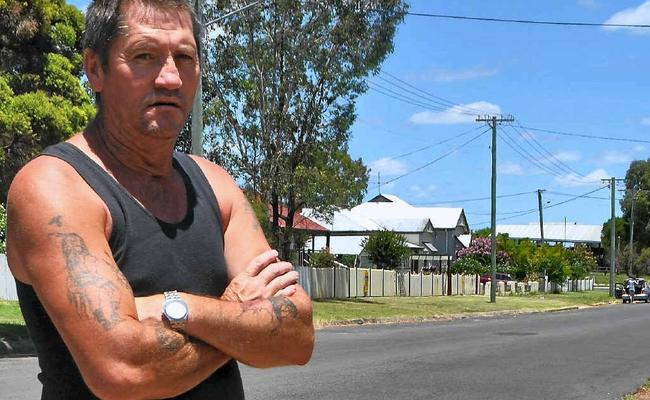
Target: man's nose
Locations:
point(169, 77)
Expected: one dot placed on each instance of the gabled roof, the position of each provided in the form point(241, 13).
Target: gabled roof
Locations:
point(403, 224)
point(345, 221)
point(398, 209)
point(300, 220)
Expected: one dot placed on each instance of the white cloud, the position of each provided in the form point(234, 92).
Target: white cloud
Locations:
point(572, 179)
point(387, 167)
point(461, 114)
point(510, 168)
point(609, 157)
point(420, 192)
point(632, 16)
point(645, 121)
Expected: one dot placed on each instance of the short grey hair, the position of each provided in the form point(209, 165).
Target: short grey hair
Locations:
point(104, 22)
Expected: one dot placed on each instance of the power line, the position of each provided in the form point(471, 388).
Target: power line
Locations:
point(474, 199)
point(528, 21)
point(573, 194)
point(527, 156)
point(435, 99)
point(405, 99)
point(530, 139)
point(437, 159)
point(549, 206)
point(437, 143)
point(585, 136)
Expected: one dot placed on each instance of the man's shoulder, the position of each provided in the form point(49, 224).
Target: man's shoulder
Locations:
point(47, 179)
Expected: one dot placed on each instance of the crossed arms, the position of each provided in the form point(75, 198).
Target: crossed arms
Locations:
point(57, 242)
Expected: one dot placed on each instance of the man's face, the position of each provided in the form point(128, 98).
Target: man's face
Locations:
point(152, 72)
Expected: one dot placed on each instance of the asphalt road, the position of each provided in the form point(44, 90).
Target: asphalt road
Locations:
point(599, 353)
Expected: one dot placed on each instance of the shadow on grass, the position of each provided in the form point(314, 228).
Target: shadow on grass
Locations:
point(14, 340)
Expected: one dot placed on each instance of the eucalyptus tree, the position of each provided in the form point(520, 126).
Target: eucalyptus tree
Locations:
point(281, 82)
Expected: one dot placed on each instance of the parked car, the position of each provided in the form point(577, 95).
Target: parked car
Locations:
point(641, 290)
point(500, 277)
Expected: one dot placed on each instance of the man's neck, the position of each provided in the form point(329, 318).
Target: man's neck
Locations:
point(130, 152)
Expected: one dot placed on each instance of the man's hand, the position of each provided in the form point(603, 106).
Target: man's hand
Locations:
point(264, 277)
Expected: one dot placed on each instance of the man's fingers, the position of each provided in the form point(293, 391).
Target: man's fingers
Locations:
point(287, 292)
point(281, 282)
point(260, 262)
point(274, 270)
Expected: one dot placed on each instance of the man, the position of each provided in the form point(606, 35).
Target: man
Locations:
point(102, 225)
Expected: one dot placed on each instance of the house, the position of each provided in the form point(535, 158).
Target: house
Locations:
point(433, 234)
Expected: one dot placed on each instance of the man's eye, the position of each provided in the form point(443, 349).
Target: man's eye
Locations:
point(184, 57)
point(145, 56)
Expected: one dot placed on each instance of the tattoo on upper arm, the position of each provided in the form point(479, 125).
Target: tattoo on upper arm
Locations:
point(93, 294)
point(248, 209)
point(56, 221)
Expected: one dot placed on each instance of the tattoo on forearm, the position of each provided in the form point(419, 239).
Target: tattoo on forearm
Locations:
point(169, 340)
point(282, 308)
point(93, 295)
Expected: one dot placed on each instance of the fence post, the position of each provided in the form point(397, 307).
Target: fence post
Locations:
point(420, 281)
point(349, 283)
point(382, 282)
point(370, 281)
point(334, 269)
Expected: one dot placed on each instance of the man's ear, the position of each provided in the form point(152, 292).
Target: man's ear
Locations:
point(94, 70)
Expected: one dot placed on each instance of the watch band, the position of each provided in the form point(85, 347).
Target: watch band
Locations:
point(175, 323)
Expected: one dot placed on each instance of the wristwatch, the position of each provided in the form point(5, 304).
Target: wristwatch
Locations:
point(175, 310)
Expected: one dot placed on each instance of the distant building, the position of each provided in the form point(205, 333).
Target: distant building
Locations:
point(556, 232)
point(433, 234)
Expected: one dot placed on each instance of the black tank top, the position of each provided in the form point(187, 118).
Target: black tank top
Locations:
point(154, 256)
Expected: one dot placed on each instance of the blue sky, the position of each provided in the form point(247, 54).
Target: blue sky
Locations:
point(582, 80)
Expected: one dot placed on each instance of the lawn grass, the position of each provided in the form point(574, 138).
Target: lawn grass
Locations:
point(13, 332)
point(333, 311)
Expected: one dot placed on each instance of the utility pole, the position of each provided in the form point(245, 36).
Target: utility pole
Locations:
point(197, 105)
point(612, 235)
point(492, 122)
point(541, 226)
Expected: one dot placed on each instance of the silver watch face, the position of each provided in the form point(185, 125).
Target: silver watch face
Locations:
point(176, 309)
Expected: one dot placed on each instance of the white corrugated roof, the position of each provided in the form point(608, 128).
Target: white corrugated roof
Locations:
point(554, 232)
point(398, 209)
point(339, 244)
point(403, 224)
point(345, 221)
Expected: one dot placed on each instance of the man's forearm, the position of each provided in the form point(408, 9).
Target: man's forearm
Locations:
point(158, 363)
point(260, 333)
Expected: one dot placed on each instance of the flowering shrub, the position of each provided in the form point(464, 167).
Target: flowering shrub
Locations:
point(481, 250)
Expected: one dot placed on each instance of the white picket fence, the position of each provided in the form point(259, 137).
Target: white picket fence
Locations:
point(363, 282)
point(7, 283)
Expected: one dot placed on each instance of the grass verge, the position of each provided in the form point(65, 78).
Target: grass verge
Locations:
point(13, 333)
point(378, 309)
point(642, 394)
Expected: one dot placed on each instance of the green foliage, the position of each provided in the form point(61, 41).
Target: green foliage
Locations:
point(280, 93)
point(522, 257)
point(468, 266)
point(261, 210)
point(42, 101)
point(551, 259)
point(3, 229)
point(620, 226)
point(386, 249)
point(637, 183)
point(483, 232)
point(322, 259)
point(347, 259)
point(581, 261)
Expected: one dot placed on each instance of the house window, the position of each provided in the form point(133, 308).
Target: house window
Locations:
point(415, 266)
